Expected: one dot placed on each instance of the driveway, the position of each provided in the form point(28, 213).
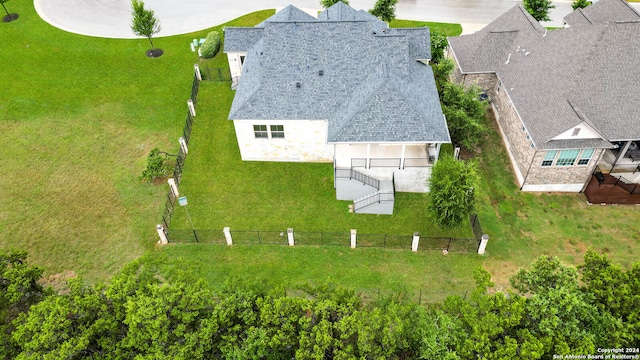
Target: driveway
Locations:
point(111, 18)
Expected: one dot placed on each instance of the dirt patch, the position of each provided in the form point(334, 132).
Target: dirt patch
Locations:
point(59, 282)
point(154, 53)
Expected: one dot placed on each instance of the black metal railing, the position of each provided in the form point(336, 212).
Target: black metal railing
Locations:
point(356, 175)
point(391, 162)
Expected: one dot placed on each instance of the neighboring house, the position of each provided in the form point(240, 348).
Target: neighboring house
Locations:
point(342, 88)
point(566, 100)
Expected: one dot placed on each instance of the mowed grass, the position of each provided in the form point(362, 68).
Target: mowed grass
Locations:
point(77, 118)
point(524, 226)
point(426, 276)
point(223, 190)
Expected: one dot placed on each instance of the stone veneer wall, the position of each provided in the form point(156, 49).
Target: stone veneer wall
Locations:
point(560, 178)
point(304, 141)
point(515, 139)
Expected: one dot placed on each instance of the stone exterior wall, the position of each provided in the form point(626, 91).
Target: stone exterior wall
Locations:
point(559, 178)
point(304, 141)
point(516, 140)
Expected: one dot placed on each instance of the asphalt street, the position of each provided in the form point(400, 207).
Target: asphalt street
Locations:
point(111, 18)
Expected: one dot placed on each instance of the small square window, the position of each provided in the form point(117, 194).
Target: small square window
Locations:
point(277, 131)
point(260, 131)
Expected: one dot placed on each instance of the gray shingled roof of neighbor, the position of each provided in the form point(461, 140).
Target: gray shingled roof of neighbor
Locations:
point(345, 68)
point(561, 78)
point(602, 11)
point(477, 52)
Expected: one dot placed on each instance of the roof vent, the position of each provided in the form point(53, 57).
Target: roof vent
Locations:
point(321, 72)
point(298, 85)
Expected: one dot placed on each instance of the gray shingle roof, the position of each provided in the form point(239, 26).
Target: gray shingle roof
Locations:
point(602, 11)
point(560, 78)
point(366, 82)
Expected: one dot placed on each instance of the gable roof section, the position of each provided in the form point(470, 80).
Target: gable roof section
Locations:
point(289, 13)
point(558, 79)
point(477, 52)
point(366, 83)
point(601, 12)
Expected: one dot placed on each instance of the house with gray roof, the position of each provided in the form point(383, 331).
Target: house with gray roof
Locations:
point(566, 100)
point(342, 88)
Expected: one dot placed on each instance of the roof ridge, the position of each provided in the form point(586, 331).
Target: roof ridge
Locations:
point(528, 16)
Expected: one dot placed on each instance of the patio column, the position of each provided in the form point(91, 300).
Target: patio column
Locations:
point(368, 164)
point(402, 156)
point(438, 146)
point(622, 152)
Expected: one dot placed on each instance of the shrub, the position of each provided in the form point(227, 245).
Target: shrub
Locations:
point(211, 45)
point(158, 165)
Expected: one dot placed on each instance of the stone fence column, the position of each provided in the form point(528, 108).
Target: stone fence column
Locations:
point(483, 244)
point(354, 233)
point(415, 242)
point(163, 236)
point(227, 235)
point(290, 236)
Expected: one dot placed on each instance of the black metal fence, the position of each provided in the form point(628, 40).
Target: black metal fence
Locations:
point(215, 74)
point(180, 159)
point(260, 237)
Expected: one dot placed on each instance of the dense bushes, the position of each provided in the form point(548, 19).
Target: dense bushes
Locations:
point(138, 315)
point(211, 45)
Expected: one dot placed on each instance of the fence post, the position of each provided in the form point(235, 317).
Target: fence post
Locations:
point(290, 236)
point(354, 233)
point(415, 242)
point(196, 67)
point(183, 145)
point(192, 108)
point(227, 235)
point(163, 236)
point(173, 186)
point(483, 244)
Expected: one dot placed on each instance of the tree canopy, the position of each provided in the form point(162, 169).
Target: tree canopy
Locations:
point(580, 4)
point(329, 3)
point(452, 193)
point(384, 10)
point(144, 22)
point(539, 9)
point(465, 112)
point(556, 309)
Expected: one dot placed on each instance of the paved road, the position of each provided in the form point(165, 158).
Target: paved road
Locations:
point(111, 18)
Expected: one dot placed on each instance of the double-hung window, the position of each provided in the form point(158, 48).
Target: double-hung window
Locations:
point(260, 131)
point(277, 131)
point(272, 132)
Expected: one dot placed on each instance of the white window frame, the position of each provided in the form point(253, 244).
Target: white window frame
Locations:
point(269, 132)
point(578, 160)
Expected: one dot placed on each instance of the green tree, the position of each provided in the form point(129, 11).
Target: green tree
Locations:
point(145, 23)
point(580, 4)
point(559, 313)
point(438, 45)
point(441, 73)
point(329, 3)
point(614, 291)
point(19, 290)
point(384, 10)
point(452, 195)
point(491, 324)
point(158, 165)
point(539, 9)
point(465, 114)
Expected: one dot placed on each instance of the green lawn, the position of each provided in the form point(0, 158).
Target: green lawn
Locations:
point(78, 116)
